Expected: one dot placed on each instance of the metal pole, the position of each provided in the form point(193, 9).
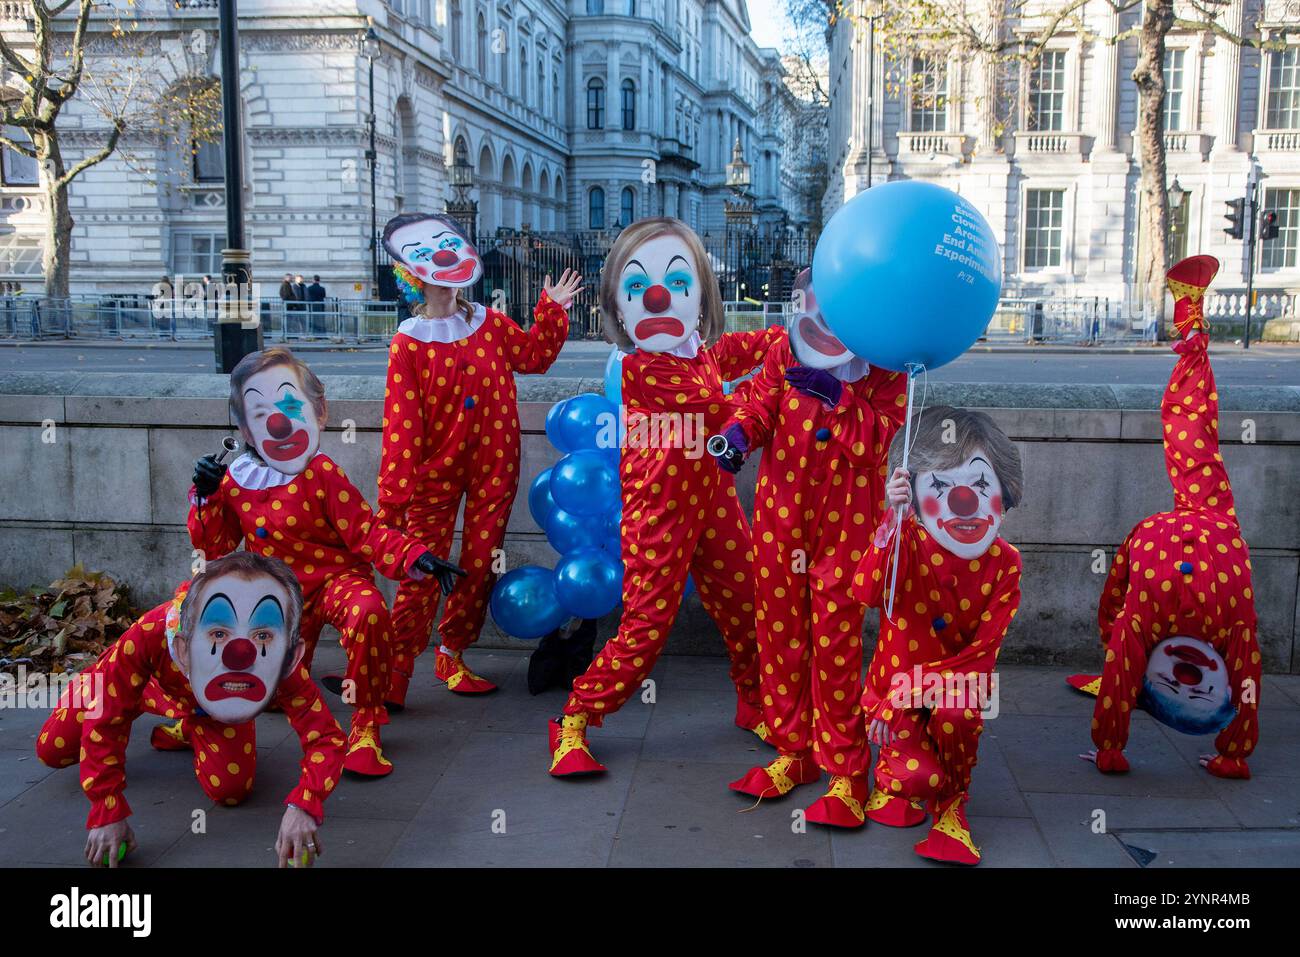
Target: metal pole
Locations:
point(871, 94)
point(232, 338)
point(374, 227)
point(1250, 255)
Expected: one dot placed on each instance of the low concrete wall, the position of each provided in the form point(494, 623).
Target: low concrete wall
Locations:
point(110, 490)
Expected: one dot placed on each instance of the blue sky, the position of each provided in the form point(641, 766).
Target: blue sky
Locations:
point(767, 21)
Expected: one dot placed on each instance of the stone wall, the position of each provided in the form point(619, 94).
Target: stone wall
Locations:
point(95, 469)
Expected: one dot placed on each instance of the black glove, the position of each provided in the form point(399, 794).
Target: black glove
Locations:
point(444, 571)
point(208, 473)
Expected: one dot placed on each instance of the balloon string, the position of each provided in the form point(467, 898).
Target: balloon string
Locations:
point(907, 451)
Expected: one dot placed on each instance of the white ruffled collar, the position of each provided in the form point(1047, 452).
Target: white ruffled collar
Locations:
point(444, 329)
point(249, 472)
point(852, 370)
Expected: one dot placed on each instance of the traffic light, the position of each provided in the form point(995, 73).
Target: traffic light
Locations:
point(1268, 225)
point(1236, 217)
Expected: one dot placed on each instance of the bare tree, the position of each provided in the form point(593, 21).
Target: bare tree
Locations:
point(126, 87)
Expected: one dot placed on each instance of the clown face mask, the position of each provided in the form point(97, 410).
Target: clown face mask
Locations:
point(1186, 687)
point(812, 342)
point(280, 421)
point(240, 646)
point(962, 507)
point(659, 294)
point(436, 251)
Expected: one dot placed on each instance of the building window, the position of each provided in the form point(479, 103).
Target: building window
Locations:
point(596, 208)
point(481, 51)
point(627, 206)
point(595, 7)
point(541, 82)
point(1174, 85)
point(457, 27)
point(209, 162)
point(1044, 226)
point(197, 253)
point(1283, 111)
point(929, 95)
point(1047, 93)
point(523, 75)
point(19, 169)
point(1280, 253)
point(595, 104)
point(629, 105)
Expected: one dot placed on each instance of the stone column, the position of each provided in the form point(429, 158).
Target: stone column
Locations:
point(1227, 82)
point(1105, 82)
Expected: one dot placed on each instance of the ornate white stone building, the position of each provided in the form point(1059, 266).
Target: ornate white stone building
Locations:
point(574, 115)
point(1050, 156)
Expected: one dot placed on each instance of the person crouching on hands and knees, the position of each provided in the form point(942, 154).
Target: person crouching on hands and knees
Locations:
point(220, 652)
point(956, 591)
point(286, 499)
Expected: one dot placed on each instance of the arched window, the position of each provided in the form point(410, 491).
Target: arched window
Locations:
point(523, 75)
point(481, 53)
point(541, 81)
point(596, 208)
point(457, 29)
point(557, 104)
point(629, 105)
point(627, 206)
point(595, 104)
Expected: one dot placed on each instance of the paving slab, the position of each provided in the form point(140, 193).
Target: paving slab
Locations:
point(1279, 848)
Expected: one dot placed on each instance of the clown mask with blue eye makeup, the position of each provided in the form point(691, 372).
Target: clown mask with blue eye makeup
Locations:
point(1186, 687)
point(240, 645)
point(280, 421)
point(434, 249)
point(962, 506)
point(659, 297)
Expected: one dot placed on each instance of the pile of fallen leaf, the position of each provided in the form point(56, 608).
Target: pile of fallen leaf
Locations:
point(63, 627)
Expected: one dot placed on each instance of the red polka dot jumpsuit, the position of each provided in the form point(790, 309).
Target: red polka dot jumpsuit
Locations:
point(92, 725)
point(820, 493)
point(451, 434)
point(318, 524)
point(680, 516)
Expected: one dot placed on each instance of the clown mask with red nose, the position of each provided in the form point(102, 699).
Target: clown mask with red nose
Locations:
point(1187, 686)
point(280, 422)
point(434, 250)
point(659, 295)
point(812, 342)
point(239, 645)
point(962, 506)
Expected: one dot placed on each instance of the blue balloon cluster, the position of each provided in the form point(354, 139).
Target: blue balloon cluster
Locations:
point(578, 503)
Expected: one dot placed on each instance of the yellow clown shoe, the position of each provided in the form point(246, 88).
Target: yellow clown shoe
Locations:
point(893, 811)
point(842, 804)
point(451, 669)
point(365, 755)
point(570, 756)
point(779, 778)
point(949, 839)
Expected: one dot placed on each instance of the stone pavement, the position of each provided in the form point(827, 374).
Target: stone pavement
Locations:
point(471, 789)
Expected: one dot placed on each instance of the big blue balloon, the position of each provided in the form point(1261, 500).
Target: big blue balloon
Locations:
point(614, 377)
point(524, 604)
point(588, 421)
point(540, 502)
point(907, 272)
point(568, 532)
point(585, 483)
point(612, 533)
point(553, 426)
point(589, 583)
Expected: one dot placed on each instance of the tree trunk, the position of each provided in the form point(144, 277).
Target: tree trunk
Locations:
point(58, 231)
point(1149, 76)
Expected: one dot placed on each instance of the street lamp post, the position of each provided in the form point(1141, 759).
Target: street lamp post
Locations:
point(238, 329)
point(461, 208)
point(739, 211)
point(370, 46)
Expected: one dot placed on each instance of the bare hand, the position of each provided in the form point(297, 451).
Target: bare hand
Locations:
point(562, 292)
point(880, 733)
point(103, 843)
point(898, 490)
point(298, 844)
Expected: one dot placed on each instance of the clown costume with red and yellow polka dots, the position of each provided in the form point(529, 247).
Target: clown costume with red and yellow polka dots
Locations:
point(680, 513)
point(226, 647)
point(953, 597)
point(451, 433)
point(1177, 615)
point(825, 419)
point(285, 499)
